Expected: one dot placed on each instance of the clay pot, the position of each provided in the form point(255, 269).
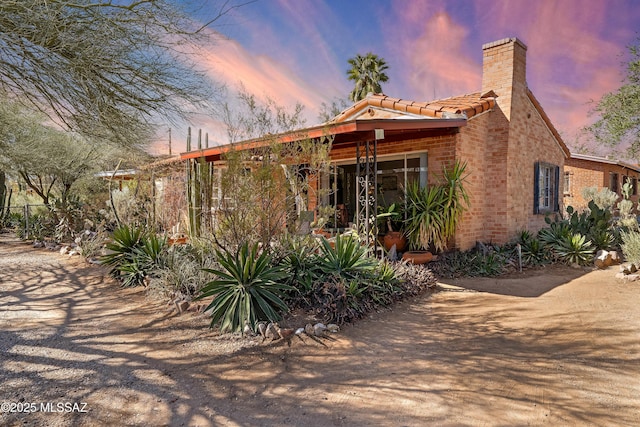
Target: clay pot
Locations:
point(417, 257)
point(395, 238)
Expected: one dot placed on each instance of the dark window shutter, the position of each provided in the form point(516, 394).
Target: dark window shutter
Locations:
point(536, 187)
point(556, 190)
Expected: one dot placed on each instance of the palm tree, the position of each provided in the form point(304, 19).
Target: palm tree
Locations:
point(368, 72)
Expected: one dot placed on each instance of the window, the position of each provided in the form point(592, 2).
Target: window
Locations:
point(613, 182)
point(545, 192)
point(393, 174)
point(566, 188)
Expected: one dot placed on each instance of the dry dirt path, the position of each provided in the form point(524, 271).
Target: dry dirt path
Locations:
point(557, 347)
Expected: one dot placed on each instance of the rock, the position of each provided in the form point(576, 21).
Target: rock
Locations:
point(318, 329)
point(38, 244)
point(74, 252)
point(299, 331)
point(272, 331)
point(632, 277)
point(247, 329)
point(633, 268)
point(262, 329)
point(620, 276)
point(332, 327)
point(64, 250)
point(615, 257)
point(308, 329)
point(602, 259)
point(624, 269)
point(182, 306)
point(285, 333)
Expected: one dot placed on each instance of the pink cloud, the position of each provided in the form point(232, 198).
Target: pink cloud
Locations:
point(441, 69)
point(430, 52)
point(569, 60)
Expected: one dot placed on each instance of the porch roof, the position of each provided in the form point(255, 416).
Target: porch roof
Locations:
point(345, 132)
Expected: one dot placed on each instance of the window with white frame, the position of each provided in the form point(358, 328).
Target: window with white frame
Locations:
point(566, 188)
point(546, 183)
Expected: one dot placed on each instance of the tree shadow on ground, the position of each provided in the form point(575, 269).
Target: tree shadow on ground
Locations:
point(460, 359)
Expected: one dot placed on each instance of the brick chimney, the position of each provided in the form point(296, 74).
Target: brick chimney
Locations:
point(504, 66)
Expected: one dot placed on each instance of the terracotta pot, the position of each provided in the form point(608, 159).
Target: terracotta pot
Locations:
point(417, 257)
point(395, 238)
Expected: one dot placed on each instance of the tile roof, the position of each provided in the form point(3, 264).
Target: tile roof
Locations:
point(469, 105)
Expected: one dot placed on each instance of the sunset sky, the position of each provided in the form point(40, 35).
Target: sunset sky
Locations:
point(297, 50)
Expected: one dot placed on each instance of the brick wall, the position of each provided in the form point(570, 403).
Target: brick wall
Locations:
point(517, 121)
point(590, 173)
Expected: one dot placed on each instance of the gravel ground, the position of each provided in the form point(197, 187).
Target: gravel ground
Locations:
point(555, 346)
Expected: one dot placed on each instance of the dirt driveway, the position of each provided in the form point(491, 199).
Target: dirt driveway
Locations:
point(557, 347)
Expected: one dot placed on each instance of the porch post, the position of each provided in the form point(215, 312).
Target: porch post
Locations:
point(366, 189)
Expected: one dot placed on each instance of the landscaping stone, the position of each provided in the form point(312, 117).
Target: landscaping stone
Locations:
point(615, 257)
point(603, 259)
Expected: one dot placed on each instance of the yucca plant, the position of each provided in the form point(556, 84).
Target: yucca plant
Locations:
point(246, 289)
point(426, 220)
point(434, 212)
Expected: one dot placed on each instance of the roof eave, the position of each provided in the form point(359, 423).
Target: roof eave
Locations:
point(357, 126)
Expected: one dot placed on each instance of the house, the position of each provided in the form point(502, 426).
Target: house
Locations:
point(582, 171)
point(514, 155)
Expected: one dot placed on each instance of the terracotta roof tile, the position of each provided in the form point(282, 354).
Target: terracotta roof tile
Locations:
point(471, 104)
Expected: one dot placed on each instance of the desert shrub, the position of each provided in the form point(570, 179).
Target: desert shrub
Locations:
point(631, 246)
point(91, 243)
point(412, 279)
point(182, 271)
point(482, 260)
point(246, 289)
point(133, 255)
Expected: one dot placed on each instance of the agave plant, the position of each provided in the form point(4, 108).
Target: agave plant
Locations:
point(574, 249)
point(246, 289)
point(133, 254)
point(349, 260)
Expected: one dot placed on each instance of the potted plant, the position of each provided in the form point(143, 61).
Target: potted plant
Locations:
point(434, 212)
point(393, 237)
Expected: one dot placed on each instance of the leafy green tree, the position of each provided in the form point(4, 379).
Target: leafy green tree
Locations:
point(104, 68)
point(619, 111)
point(367, 71)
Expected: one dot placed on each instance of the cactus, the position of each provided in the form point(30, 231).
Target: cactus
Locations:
point(199, 189)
